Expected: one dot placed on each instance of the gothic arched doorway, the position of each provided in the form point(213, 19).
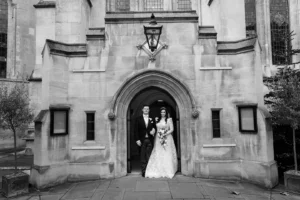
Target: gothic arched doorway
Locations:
point(155, 98)
point(134, 85)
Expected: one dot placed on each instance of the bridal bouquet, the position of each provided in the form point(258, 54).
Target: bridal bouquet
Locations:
point(162, 137)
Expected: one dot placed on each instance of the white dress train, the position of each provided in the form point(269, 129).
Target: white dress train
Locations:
point(163, 160)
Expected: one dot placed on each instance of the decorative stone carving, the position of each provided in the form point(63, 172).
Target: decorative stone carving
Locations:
point(151, 54)
point(195, 113)
point(111, 115)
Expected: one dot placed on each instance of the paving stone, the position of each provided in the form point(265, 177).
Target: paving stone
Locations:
point(163, 195)
point(185, 190)
point(34, 198)
point(113, 194)
point(182, 178)
point(25, 197)
point(219, 192)
point(249, 188)
point(152, 186)
point(131, 195)
point(98, 194)
point(228, 198)
point(278, 196)
point(256, 197)
point(124, 183)
point(202, 190)
point(82, 190)
point(221, 183)
point(157, 179)
point(51, 197)
point(103, 184)
point(201, 199)
point(60, 189)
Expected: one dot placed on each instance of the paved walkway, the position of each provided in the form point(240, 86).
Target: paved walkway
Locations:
point(135, 187)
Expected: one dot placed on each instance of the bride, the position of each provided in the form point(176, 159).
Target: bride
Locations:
point(163, 160)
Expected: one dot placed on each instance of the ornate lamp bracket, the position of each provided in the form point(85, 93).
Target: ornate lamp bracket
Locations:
point(144, 46)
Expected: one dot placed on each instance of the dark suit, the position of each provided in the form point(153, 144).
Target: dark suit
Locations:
point(140, 133)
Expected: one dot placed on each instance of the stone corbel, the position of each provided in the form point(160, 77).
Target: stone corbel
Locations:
point(111, 115)
point(41, 169)
point(195, 113)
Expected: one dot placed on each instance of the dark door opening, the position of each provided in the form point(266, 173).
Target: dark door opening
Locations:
point(155, 98)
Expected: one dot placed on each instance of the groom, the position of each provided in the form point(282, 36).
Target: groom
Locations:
point(144, 136)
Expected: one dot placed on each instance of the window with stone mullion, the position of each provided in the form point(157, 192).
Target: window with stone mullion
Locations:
point(280, 29)
point(123, 5)
point(90, 126)
point(3, 37)
point(153, 5)
point(184, 5)
point(250, 15)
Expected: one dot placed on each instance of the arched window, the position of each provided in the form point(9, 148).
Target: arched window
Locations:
point(280, 30)
point(3, 37)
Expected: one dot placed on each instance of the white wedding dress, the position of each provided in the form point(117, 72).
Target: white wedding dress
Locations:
point(163, 160)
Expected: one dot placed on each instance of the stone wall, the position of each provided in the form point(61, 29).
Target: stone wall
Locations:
point(101, 69)
point(72, 20)
point(21, 63)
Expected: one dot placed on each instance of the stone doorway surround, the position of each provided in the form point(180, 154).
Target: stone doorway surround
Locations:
point(118, 114)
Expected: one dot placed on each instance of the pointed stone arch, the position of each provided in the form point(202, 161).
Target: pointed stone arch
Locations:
point(118, 114)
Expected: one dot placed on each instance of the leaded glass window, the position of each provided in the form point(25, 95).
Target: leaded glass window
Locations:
point(90, 126)
point(3, 37)
point(215, 114)
point(250, 12)
point(279, 12)
point(153, 5)
point(123, 5)
point(184, 5)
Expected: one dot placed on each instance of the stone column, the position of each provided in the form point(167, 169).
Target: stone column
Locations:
point(263, 27)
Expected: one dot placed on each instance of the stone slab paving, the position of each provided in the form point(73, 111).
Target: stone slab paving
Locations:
point(185, 190)
point(113, 194)
point(82, 190)
point(135, 187)
point(152, 185)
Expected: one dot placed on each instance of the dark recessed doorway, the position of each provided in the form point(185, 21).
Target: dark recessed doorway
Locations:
point(155, 98)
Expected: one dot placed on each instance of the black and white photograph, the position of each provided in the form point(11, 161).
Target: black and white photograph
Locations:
point(149, 99)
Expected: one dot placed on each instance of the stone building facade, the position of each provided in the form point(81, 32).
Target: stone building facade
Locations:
point(93, 72)
point(17, 52)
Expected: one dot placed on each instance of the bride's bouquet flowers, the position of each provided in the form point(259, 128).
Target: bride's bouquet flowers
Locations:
point(162, 137)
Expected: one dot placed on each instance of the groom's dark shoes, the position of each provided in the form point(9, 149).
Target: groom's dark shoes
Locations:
point(143, 174)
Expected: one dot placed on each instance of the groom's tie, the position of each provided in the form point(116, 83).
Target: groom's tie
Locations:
point(146, 123)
